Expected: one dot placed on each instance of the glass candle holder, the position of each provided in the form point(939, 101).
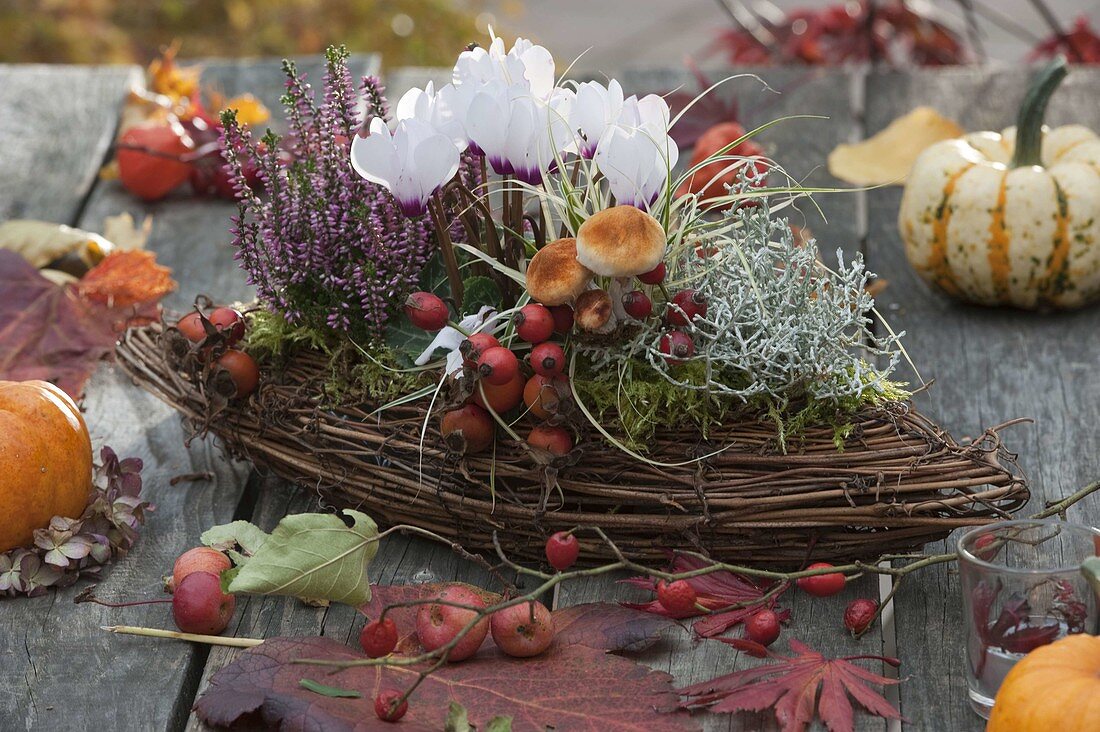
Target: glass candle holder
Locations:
point(1022, 588)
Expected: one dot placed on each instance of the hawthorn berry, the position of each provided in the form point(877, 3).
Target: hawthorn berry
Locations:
point(689, 304)
point(230, 322)
point(426, 311)
point(191, 326)
point(547, 359)
point(859, 615)
point(562, 550)
point(983, 548)
point(553, 439)
point(637, 305)
point(384, 705)
point(379, 637)
point(199, 559)
point(498, 365)
point(654, 276)
point(677, 347)
point(822, 585)
point(763, 627)
point(534, 323)
point(677, 597)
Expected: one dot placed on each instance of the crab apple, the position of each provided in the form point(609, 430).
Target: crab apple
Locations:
point(563, 318)
point(475, 345)
point(541, 394)
point(763, 627)
point(677, 346)
point(468, 429)
point(677, 597)
point(384, 705)
point(522, 630)
point(637, 305)
point(199, 559)
point(654, 276)
point(822, 585)
point(497, 365)
point(689, 304)
point(983, 547)
point(230, 322)
point(534, 323)
point(200, 606)
point(555, 440)
point(149, 164)
point(502, 398)
point(859, 615)
point(242, 370)
point(426, 311)
point(562, 550)
point(438, 624)
point(191, 326)
point(379, 637)
point(548, 359)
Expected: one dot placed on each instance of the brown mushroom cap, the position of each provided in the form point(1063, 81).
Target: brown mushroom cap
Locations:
point(554, 276)
point(593, 312)
point(621, 241)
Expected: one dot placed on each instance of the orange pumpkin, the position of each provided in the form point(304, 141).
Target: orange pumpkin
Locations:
point(45, 460)
point(1054, 688)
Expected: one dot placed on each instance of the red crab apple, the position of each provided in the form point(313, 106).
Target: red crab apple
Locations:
point(522, 630)
point(763, 627)
point(378, 637)
point(822, 585)
point(426, 311)
point(534, 323)
point(384, 705)
point(562, 550)
point(468, 429)
point(200, 606)
point(199, 559)
point(437, 624)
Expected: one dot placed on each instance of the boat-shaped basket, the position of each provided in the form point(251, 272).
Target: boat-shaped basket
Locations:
point(899, 482)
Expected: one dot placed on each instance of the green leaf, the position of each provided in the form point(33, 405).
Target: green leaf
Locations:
point(479, 291)
point(238, 533)
point(313, 556)
point(457, 720)
point(333, 691)
point(499, 724)
point(405, 340)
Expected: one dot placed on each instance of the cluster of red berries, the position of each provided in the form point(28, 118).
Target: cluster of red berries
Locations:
point(233, 367)
point(502, 381)
point(681, 310)
point(522, 630)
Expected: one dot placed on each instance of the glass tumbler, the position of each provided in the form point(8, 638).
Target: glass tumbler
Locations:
point(1022, 588)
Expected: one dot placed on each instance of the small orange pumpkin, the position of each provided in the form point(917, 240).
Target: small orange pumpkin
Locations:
point(45, 460)
point(1054, 688)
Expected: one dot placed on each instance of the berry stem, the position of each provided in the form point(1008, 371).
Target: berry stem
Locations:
point(213, 640)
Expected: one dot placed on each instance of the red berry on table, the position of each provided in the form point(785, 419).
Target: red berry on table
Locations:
point(440, 623)
point(547, 359)
point(859, 615)
point(534, 323)
point(677, 346)
point(563, 318)
point(379, 637)
point(200, 606)
point(230, 322)
point(689, 304)
point(763, 627)
point(384, 705)
point(242, 370)
point(677, 597)
point(426, 311)
point(654, 276)
point(522, 630)
point(637, 305)
point(555, 440)
point(822, 585)
point(498, 365)
point(562, 550)
point(191, 326)
point(475, 345)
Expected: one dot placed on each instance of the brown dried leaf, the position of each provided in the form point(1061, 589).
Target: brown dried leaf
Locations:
point(127, 278)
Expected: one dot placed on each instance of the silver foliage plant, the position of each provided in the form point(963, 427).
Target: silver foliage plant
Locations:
point(779, 324)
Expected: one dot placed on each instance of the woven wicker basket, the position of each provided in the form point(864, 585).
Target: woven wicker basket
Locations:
point(899, 483)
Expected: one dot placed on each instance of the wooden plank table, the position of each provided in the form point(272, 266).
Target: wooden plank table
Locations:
point(59, 671)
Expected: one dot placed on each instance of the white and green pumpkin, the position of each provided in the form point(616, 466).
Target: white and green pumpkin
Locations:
point(1010, 218)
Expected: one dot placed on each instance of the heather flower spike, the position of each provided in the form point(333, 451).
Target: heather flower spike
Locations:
point(412, 163)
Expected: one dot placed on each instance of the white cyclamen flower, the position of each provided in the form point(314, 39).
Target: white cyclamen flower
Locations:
point(437, 109)
point(636, 163)
point(596, 107)
point(525, 64)
point(412, 162)
point(519, 133)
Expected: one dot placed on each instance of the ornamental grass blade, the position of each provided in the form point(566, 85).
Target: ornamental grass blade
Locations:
point(791, 687)
point(314, 557)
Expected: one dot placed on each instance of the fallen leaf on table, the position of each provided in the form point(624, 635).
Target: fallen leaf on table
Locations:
point(127, 278)
point(888, 157)
point(568, 687)
point(42, 243)
point(608, 627)
point(791, 686)
point(50, 332)
point(122, 231)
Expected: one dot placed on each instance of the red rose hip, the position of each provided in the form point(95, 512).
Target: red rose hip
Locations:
point(677, 597)
point(859, 615)
point(822, 585)
point(763, 627)
point(534, 323)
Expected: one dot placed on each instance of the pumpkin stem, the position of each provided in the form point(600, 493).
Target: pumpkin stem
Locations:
point(1029, 123)
point(1091, 569)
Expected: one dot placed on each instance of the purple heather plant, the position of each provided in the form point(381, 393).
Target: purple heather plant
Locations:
point(322, 246)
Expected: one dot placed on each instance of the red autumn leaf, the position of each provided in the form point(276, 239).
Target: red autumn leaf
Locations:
point(127, 278)
point(51, 332)
point(791, 686)
point(715, 591)
point(570, 687)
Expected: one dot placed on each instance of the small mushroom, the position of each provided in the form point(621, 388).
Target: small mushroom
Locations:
point(621, 241)
point(555, 276)
point(593, 312)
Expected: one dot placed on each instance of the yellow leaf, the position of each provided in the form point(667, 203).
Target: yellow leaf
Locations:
point(250, 110)
point(887, 157)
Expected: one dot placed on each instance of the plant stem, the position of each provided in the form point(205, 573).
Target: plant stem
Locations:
point(446, 249)
point(214, 640)
point(1029, 123)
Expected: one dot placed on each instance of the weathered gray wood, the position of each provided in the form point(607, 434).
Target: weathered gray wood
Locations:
point(990, 365)
point(55, 130)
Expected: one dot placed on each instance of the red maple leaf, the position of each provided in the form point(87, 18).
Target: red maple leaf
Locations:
point(791, 686)
point(715, 591)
